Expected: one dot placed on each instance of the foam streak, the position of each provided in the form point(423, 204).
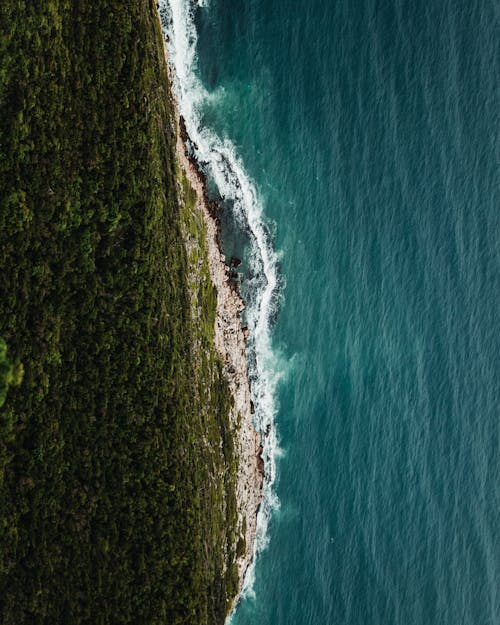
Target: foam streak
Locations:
point(225, 169)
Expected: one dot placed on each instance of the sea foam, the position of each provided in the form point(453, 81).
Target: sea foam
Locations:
point(224, 168)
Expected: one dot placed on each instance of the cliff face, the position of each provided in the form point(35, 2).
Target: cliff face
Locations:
point(119, 452)
point(229, 339)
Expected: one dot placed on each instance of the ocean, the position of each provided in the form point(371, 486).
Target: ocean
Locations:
point(355, 149)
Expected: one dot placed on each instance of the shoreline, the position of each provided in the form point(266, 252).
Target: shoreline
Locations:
point(230, 341)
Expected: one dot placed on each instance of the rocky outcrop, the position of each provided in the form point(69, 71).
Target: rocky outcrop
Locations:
point(230, 341)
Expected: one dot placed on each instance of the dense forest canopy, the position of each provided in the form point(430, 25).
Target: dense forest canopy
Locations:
point(116, 463)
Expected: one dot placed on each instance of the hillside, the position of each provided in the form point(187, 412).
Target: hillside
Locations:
point(117, 466)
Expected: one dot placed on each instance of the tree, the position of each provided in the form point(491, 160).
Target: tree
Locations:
point(11, 374)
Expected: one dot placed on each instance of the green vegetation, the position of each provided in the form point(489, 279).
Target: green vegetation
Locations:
point(10, 374)
point(116, 459)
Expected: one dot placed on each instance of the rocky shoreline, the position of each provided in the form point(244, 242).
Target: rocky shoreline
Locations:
point(230, 341)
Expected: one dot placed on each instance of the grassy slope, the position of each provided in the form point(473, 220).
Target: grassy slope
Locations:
point(116, 498)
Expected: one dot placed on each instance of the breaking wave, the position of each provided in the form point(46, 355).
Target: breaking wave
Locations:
point(223, 167)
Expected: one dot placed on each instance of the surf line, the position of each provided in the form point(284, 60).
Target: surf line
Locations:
point(220, 163)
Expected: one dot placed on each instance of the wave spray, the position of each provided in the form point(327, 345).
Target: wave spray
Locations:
point(224, 168)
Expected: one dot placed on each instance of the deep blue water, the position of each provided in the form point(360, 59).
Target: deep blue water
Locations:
point(371, 132)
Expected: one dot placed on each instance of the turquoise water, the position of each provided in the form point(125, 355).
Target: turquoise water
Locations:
point(369, 132)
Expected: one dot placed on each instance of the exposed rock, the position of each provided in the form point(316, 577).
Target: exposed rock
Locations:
point(260, 461)
point(230, 341)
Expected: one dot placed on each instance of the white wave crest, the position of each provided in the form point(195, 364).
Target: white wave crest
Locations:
point(225, 169)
